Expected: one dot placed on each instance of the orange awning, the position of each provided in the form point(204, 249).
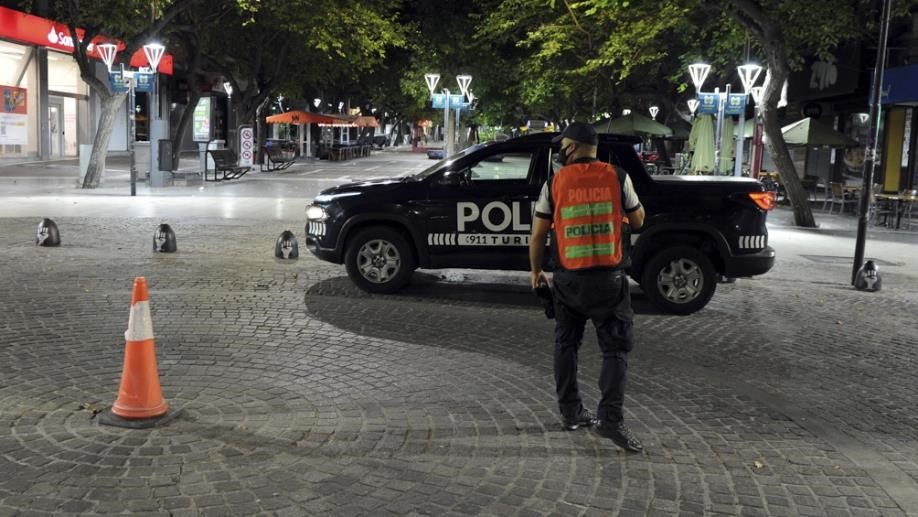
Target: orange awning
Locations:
point(301, 117)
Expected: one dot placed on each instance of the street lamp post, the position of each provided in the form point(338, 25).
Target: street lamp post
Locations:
point(432, 80)
point(757, 95)
point(749, 74)
point(228, 88)
point(654, 110)
point(464, 81)
point(154, 52)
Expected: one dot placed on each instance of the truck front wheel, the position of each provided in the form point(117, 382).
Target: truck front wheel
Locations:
point(379, 260)
point(679, 280)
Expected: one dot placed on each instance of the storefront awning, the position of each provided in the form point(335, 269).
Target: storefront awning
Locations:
point(35, 30)
point(812, 133)
point(303, 117)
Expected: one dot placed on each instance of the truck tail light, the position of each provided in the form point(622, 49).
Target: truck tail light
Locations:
point(764, 200)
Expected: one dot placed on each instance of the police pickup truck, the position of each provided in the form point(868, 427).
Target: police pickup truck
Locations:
point(474, 210)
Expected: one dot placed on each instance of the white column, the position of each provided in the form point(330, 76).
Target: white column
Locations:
point(300, 136)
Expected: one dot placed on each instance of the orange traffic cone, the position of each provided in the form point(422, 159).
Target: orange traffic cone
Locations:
point(139, 396)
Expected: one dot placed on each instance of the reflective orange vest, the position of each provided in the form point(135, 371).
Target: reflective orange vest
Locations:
point(588, 216)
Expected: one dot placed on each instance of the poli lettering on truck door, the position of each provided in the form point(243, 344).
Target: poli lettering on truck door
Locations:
point(480, 208)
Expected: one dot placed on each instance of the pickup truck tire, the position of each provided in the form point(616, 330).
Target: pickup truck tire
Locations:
point(379, 260)
point(679, 280)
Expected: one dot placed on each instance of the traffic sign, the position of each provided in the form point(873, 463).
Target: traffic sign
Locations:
point(247, 145)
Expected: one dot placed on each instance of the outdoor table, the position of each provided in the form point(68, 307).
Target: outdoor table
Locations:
point(900, 201)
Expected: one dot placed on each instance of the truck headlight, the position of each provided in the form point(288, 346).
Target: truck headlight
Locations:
point(315, 213)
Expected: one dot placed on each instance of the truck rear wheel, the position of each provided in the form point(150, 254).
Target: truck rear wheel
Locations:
point(379, 260)
point(679, 280)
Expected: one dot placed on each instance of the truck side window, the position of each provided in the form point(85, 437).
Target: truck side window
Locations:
point(510, 166)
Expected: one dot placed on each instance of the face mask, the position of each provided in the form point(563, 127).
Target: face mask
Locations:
point(563, 155)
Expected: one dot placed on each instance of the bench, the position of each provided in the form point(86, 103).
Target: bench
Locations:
point(225, 162)
point(276, 160)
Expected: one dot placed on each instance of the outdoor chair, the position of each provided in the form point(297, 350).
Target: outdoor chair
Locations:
point(909, 205)
point(878, 207)
point(839, 198)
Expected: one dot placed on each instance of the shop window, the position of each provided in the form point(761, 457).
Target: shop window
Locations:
point(18, 102)
point(64, 75)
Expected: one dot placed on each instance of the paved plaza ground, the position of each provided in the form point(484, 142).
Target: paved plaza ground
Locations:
point(790, 394)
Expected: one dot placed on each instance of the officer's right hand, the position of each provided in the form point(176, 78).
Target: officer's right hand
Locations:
point(538, 278)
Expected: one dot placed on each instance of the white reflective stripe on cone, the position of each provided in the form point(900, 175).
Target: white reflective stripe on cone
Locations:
point(140, 324)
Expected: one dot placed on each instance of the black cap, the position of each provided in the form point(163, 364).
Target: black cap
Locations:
point(579, 132)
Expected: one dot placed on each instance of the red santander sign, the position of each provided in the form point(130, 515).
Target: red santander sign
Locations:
point(27, 28)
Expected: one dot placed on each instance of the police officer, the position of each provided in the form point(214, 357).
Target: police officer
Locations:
point(584, 206)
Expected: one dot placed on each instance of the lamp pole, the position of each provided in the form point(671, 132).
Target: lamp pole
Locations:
point(749, 74)
point(153, 52)
point(464, 81)
point(757, 93)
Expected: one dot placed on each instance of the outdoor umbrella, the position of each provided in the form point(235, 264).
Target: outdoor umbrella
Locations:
point(633, 124)
point(701, 145)
point(810, 132)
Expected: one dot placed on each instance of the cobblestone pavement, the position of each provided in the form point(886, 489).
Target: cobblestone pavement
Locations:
point(787, 395)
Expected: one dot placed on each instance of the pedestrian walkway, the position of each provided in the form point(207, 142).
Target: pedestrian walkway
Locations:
point(301, 395)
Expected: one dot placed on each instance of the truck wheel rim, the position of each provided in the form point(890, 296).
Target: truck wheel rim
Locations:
point(681, 281)
point(378, 261)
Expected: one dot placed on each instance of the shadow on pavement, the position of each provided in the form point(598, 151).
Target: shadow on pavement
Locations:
point(330, 299)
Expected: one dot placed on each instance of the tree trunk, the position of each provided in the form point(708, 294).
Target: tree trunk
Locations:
point(777, 148)
point(184, 122)
point(108, 112)
point(398, 132)
point(751, 16)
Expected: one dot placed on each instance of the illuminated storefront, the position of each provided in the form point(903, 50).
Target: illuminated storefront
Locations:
point(47, 109)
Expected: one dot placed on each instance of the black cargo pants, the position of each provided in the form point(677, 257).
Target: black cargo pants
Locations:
point(604, 297)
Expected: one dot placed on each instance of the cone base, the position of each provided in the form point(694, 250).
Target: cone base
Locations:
point(129, 412)
point(109, 418)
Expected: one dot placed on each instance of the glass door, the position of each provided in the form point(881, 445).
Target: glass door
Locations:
point(56, 127)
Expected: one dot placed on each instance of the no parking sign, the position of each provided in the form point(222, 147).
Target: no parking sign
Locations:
point(246, 145)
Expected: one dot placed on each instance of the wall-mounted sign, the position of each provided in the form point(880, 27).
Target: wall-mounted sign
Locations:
point(35, 30)
point(819, 79)
point(200, 121)
point(13, 116)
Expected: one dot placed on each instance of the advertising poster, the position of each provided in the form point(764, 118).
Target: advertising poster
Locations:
point(200, 121)
point(13, 116)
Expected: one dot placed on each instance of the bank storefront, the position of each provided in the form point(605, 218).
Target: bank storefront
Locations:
point(47, 110)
